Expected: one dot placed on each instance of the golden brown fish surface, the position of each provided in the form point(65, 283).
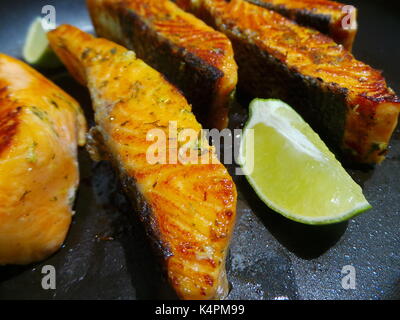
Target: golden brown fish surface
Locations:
point(40, 128)
point(189, 209)
point(193, 56)
point(337, 20)
point(345, 100)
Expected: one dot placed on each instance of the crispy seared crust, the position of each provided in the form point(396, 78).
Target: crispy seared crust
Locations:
point(188, 209)
point(9, 118)
point(40, 127)
point(323, 15)
point(344, 99)
point(192, 55)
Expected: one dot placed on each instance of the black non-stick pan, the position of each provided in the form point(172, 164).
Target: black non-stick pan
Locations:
point(107, 256)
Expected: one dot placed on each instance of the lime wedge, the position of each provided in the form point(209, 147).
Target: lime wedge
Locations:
point(293, 171)
point(37, 51)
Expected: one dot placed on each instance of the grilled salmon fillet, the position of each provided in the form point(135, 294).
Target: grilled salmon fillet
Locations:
point(189, 209)
point(337, 20)
point(345, 100)
point(40, 128)
point(193, 56)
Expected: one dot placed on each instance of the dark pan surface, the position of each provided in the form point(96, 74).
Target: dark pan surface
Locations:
point(106, 255)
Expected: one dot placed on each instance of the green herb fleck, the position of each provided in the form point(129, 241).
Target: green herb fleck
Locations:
point(85, 53)
point(54, 104)
point(32, 156)
point(42, 115)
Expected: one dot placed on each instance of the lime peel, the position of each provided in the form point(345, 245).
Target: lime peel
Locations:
point(37, 51)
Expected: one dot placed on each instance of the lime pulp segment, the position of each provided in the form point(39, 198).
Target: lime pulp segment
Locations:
point(293, 171)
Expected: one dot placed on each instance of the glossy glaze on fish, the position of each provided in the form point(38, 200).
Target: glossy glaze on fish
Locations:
point(193, 56)
point(40, 128)
point(345, 100)
point(189, 209)
point(337, 20)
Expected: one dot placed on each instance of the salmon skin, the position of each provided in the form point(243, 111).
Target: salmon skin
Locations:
point(193, 56)
point(329, 17)
point(40, 127)
point(189, 209)
point(345, 100)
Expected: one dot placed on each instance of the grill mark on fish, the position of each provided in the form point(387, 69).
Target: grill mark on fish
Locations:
point(191, 239)
point(193, 56)
point(9, 120)
point(40, 129)
point(325, 16)
point(345, 100)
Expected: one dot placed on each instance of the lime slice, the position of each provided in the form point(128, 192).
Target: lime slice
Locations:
point(37, 51)
point(293, 171)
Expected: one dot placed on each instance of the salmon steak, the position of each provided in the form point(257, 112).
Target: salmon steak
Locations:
point(344, 100)
point(40, 129)
point(193, 56)
point(188, 208)
point(337, 20)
